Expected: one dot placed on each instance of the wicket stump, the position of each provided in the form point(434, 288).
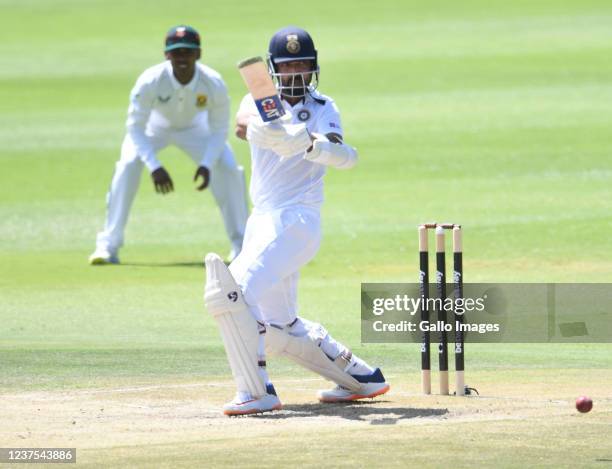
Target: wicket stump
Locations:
point(442, 318)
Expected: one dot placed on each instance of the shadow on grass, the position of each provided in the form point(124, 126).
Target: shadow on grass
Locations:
point(362, 411)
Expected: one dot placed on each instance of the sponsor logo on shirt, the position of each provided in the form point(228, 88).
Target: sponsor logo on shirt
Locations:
point(163, 100)
point(201, 100)
point(333, 125)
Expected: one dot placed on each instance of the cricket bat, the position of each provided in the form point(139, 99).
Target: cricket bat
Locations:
point(259, 83)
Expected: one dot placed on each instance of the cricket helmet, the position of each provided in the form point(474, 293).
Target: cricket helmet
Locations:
point(288, 45)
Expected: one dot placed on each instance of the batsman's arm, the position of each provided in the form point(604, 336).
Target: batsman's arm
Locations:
point(330, 150)
point(246, 112)
point(328, 147)
point(242, 122)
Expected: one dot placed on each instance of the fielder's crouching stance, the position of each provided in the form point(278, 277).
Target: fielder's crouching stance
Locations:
point(255, 300)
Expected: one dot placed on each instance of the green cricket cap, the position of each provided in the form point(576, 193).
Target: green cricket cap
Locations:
point(182, 36)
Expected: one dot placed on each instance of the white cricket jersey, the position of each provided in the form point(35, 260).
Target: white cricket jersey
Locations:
point(158, 102)
point(276, 182)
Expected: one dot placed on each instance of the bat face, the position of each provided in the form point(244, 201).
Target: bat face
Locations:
point(260, 85)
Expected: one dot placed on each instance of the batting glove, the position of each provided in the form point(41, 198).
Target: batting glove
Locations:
point(296, 141)
point(284, 139)
point(264, 135)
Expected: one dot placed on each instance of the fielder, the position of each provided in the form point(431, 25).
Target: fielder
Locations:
point(184, 103)
point(255, 300)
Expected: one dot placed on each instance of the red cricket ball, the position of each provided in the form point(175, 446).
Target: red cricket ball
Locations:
point(584, 404)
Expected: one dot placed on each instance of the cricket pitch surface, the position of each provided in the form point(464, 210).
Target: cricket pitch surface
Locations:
point(531, 420)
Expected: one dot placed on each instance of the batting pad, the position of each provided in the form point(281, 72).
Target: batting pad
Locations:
point(238, 327)
point(306, 351)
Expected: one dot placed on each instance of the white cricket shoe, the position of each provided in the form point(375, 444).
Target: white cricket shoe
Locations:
point(267, 403)
point(103, 256)
point(371, 386)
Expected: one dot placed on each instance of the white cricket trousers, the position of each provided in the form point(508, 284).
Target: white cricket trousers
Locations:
point(276, 245)
point(227, 184)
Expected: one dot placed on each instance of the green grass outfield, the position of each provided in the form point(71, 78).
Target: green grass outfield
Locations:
point(493, 114)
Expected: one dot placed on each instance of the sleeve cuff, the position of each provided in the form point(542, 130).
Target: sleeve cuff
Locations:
point(213, 152)
point(208, 161)
point(152, 163)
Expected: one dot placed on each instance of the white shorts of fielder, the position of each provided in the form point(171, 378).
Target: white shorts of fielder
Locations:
point(227, 184)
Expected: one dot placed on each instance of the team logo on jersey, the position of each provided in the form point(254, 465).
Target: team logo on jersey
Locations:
point(201, 100)
point(303, 115)
point(293, 45)
point(163, 100)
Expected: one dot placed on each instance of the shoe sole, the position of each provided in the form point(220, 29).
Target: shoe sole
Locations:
point(98, 261)
point(355, 397)
point(233, 413)
point(102, 261)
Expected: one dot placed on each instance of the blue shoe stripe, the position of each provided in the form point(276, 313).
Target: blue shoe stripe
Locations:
point(270, 389)
point(376, 377)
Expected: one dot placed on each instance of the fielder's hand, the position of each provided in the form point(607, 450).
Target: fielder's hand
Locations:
point(161, 180)
point(204, 173)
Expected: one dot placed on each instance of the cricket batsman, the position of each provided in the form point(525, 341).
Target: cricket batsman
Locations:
point(255, 300)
